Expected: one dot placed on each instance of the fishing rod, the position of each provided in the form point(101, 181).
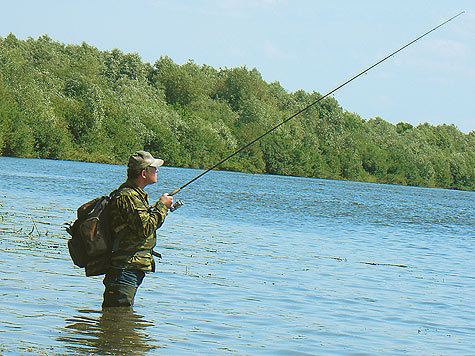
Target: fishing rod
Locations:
point(179, 203)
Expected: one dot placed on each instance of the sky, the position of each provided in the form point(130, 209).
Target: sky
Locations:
point(303, 44)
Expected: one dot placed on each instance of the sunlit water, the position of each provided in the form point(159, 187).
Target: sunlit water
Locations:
point(252, 265)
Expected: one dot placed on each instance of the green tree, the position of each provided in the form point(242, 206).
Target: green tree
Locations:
point(76, 102)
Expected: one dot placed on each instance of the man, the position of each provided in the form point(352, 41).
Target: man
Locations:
point(133, 225)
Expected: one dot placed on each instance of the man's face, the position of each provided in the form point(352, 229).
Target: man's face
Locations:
point(150, 175)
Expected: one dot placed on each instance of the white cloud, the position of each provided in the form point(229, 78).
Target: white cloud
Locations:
point(242, 5)
point(275, 52)
point(441, 56)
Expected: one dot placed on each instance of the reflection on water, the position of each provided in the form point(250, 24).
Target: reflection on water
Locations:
point(109, 331)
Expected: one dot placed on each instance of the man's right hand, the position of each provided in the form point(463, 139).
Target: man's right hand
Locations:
point(166, 200)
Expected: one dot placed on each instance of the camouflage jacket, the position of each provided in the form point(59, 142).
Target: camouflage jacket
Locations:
point(133, 224)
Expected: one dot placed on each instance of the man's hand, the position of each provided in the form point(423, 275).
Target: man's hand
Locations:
point(166, 200)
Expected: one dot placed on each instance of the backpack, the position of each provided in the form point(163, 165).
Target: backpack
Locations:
point(90, 245)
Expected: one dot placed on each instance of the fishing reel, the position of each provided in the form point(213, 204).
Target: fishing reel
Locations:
point(176, 205)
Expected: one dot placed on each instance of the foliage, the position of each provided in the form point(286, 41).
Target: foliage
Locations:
point(78, 103)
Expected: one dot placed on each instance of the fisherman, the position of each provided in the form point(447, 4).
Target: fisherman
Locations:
point(133, 228)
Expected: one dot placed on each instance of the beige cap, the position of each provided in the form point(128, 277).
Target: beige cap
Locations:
point(142, 159)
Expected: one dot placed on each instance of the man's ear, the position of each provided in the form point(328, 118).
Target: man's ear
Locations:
point(143, 174)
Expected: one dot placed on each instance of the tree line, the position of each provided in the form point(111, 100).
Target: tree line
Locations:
point(76, 102)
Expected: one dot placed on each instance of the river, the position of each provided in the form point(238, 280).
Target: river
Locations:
point(252, 265)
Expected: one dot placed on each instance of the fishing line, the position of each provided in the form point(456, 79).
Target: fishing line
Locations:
point(312, 104)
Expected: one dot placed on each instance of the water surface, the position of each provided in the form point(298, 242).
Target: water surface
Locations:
point(252, 264)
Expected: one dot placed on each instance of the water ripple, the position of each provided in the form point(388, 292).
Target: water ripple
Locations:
point(346, 269)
